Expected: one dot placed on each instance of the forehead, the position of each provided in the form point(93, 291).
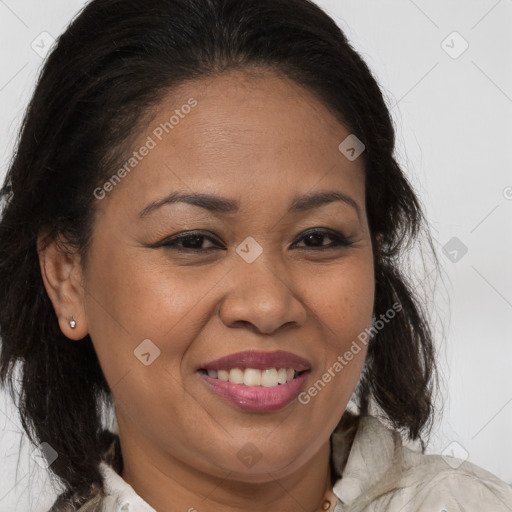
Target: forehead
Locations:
point(241, 134)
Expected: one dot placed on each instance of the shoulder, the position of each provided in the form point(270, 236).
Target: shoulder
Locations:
point(451, 484)
point(381, 474)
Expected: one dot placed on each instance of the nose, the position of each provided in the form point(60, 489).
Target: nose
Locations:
point(261, 297)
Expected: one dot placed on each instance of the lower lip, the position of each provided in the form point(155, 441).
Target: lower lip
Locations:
point(257, 398)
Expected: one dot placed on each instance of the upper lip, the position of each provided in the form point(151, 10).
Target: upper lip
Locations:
point(258, 360)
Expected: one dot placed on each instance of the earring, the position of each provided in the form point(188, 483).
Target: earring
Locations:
point(72, 323)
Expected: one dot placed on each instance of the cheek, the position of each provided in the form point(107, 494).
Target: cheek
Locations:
point(142, 321)
point(343, 299)
point(128, 303)
point(343, 306)
point(131, 298)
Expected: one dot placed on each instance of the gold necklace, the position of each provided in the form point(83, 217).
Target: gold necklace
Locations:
point(328, 502)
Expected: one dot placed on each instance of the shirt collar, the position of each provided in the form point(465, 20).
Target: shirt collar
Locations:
point(120, 496)
point(373, 463)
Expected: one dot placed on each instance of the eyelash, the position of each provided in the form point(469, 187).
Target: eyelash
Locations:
point(339, 240)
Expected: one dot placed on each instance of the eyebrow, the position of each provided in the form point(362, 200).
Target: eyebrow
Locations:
point(217, 204)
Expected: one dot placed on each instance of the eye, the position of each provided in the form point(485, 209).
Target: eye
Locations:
point(316, 236)
point(191, 241)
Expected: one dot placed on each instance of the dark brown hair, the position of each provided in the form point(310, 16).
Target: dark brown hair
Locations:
point(116, 60)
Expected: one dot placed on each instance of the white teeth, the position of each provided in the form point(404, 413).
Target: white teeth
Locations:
point(252, 377)
point(223, 375)
point(236, 376)
point(269, 377)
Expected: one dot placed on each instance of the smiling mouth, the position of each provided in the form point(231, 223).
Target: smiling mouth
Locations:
point(253, 377)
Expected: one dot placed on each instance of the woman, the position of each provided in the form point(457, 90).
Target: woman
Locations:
point(203, 228)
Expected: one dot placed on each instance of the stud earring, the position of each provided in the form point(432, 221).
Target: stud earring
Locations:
point(72, 323)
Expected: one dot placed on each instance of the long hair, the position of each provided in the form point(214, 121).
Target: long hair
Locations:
point(117, 60)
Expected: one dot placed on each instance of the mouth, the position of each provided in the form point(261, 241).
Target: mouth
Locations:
point(255, 377)
point(256, 381)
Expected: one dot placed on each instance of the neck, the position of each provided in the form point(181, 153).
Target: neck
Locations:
point(171, 485)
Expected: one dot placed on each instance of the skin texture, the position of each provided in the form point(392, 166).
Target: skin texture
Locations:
point(259, 139)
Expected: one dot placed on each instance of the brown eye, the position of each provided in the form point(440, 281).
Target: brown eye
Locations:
point(314, 239)
point(190, 242)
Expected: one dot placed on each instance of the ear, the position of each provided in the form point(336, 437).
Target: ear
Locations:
point(63, 280)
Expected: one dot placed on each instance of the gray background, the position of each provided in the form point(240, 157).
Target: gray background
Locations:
point(453, 114)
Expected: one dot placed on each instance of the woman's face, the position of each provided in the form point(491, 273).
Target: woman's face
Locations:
point(248, 278)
